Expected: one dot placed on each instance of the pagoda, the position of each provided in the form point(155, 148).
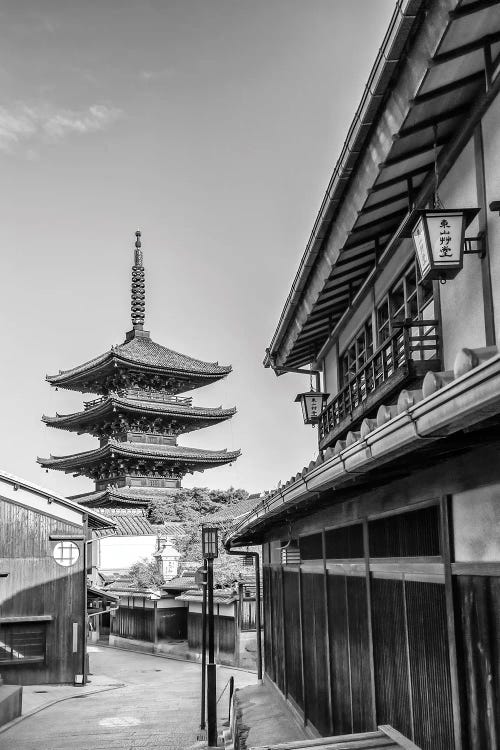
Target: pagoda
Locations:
point(138, 415)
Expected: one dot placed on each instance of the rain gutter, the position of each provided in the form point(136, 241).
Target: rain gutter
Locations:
point(465, 401)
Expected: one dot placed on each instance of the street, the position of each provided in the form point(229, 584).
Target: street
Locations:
point(159, 707)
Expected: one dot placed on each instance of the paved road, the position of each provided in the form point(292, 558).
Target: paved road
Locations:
point(159, 707)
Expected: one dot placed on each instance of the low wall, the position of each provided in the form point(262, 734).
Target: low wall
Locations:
point(11, 702)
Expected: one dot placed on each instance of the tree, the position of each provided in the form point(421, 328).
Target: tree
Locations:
point(144, 574)
point(195, 507)
point(188, 504)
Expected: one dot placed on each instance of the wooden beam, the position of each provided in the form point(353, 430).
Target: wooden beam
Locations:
point(387, 202)
point(429, 122)
point(474, 7)
point(424, 148)
point(401, 178)
point(448, 88)
point(465, 49)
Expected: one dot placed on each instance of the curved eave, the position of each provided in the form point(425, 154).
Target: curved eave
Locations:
point(99, 367)
point(430, 71)
point(168, 454)
point(188, 414)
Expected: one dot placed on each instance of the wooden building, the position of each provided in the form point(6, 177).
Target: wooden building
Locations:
point(382, 557)
point(43, 584)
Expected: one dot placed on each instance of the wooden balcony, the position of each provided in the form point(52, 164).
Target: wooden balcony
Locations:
point(401, 361)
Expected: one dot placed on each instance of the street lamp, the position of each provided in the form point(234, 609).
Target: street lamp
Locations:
point(210, 549)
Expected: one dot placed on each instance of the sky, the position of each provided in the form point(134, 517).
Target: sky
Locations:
point(213, 126)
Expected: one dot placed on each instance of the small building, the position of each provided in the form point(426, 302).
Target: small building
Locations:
point(133, 538)
point(43, 584)
point(145, 617)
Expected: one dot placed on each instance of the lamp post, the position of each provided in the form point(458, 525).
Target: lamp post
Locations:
point(210, 551)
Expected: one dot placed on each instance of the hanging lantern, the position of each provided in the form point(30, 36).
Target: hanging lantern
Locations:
point(290, 553)
point(438, 235)
point(313, 403)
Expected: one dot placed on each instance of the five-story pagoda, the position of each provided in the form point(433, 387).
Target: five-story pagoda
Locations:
point(138, 415)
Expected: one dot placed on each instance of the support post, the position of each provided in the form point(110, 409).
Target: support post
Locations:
point(257, 617)
point(211, 667)
point(203, 646)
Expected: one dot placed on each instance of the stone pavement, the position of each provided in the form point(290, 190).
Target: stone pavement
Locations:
point(157, 707)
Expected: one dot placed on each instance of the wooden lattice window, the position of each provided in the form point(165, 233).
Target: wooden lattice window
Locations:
point(22, 642)
point(358, 352)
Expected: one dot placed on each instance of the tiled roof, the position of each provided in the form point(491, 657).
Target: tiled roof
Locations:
point(173, 453)
point(182, 583)
point(141, 405)
point(235, 510)
point(95, 520)
point(221, 596)
point(135, 497)
point(434, 387)
point(134, 522)
point(143, 351)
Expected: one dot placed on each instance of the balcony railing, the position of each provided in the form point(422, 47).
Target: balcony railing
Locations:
point(141, 395)
point(411, 342)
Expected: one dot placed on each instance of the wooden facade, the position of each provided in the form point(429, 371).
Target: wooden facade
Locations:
point(43, 585)
point(134, 620)
point(379, 624)
point(225, 634)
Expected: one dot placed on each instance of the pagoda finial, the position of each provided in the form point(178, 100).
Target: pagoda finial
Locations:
point(138, 286)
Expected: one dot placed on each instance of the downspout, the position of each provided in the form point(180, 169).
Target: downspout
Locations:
point(257, 604)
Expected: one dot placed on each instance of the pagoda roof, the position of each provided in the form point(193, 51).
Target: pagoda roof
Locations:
point(119, 498)
point(200, 416)
point(176, 454)
point(134, 522)
point(139, 352)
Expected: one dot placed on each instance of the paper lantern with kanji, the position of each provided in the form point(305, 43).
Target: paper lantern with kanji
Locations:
point(438, 237)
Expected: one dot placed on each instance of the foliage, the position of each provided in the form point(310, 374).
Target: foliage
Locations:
point(144, 574)
point(194, 507)
point(190, 504)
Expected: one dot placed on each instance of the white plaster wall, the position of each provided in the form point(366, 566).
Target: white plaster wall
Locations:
point(331, 365)
point(491, 142)
point(476, 524)
point(119, 553)
point(462, 307)
point(225, 610)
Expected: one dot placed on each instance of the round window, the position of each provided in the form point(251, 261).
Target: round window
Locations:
point(66, 553)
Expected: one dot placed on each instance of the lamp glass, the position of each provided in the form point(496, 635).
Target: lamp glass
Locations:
point(210, 546)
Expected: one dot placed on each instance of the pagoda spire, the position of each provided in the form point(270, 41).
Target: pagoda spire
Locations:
point(138, 286)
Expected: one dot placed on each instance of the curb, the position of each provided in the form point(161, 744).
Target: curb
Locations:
point(169, 656)
point(37, 710)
